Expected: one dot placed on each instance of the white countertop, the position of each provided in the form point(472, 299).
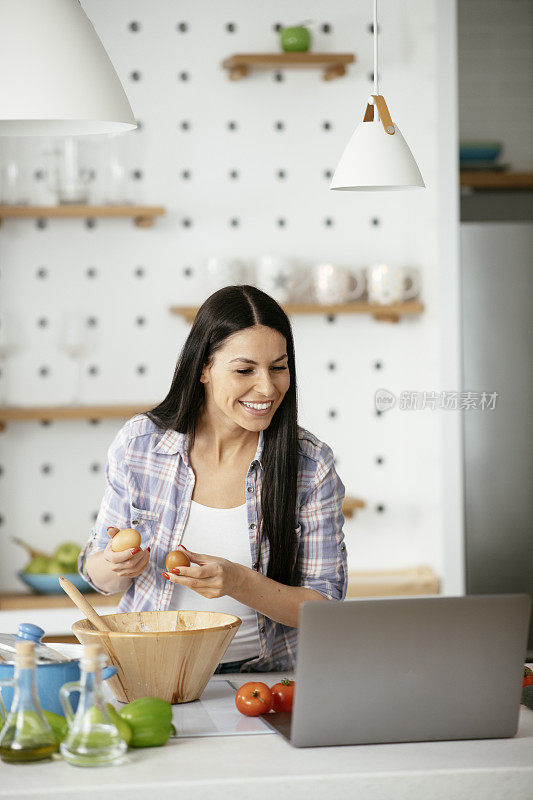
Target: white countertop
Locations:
point(263, 766)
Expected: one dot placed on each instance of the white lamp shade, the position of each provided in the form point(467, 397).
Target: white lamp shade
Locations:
point(57, 79)
point(375, 160)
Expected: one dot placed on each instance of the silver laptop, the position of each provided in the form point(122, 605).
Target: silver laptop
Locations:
point(407, 669)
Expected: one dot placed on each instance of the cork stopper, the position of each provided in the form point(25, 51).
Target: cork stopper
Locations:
point(91, 656)
point(25, 658)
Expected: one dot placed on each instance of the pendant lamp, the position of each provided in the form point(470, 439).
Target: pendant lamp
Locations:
point(377, 157)
point(57, 79)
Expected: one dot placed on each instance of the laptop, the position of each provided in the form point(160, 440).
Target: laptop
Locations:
point(410, 669)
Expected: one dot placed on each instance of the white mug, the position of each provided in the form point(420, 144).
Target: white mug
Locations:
point(276, 277)
point(224, 272)
point(333, 284)
point(388, 284)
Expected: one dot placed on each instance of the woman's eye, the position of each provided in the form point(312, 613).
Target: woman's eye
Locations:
point(247, 371)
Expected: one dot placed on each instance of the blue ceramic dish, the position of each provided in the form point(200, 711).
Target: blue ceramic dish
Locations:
point(48, 584)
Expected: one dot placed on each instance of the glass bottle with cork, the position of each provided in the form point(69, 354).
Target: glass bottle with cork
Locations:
point(26, 735)
point(92, 739)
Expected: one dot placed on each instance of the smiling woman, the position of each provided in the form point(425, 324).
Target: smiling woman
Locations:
point(222, 468)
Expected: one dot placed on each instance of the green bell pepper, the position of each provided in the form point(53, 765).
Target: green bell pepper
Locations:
point(58, 724)
point(150, 720)
point(120, 723)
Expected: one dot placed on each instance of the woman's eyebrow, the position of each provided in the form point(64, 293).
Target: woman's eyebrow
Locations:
point(249, 360)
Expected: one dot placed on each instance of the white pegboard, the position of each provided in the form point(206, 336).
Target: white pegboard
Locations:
point(194, 134)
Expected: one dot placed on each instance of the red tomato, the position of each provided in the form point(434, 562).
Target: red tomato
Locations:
point(527, 681)
point(282, 695)
point(253, 699)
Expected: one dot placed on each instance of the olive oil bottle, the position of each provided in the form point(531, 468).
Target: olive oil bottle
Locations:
point(25, 735)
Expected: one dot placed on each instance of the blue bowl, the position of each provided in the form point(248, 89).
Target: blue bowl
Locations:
point(479, 151)
point(48, 584)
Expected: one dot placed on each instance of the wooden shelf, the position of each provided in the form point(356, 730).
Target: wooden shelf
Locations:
point(334, 64)
point(16, 600)
point(496, 180)
point(46, 413)
point(350, 506)
point(143, 216)
point(384, 313)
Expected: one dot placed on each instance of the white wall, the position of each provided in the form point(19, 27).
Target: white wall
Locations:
point(496, 65)
point(399, 227)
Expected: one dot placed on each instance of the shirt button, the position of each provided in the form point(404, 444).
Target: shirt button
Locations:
point(262, 629)
point(135, 522)
point(250, 488)
point(253, 526)
point(256, 565)
point(343, 547)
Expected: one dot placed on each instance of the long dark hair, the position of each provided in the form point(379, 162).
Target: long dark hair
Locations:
point(225, 312)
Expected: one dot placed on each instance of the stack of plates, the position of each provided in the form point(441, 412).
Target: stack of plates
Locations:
point(480, 155)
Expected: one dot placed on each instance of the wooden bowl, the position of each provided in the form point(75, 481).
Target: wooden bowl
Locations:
point(166, 654)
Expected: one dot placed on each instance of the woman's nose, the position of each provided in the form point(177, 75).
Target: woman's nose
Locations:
point(264, 385)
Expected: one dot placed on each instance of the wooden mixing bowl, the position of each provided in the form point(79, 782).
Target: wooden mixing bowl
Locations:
point(166, 654)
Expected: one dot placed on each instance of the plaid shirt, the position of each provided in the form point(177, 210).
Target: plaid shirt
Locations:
point(149, 487)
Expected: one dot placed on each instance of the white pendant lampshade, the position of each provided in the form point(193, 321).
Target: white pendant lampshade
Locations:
point(377, 157)
point(376, 160)
point(57, 79)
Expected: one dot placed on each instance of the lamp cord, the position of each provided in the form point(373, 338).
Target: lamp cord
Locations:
point(376, 80)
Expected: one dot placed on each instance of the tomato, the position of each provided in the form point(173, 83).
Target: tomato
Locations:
point(527, 681)
point(253, 698)
point(282, 695)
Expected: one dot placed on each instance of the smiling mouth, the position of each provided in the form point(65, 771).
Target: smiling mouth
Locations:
point(261, 408)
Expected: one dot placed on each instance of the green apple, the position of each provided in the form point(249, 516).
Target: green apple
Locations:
point(67, 554)
point(55, 567)
point(38, 565)
point(296, 39)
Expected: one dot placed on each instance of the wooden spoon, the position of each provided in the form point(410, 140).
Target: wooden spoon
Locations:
point(83, 604)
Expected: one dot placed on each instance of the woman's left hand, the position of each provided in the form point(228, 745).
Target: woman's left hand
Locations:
point(213, 577)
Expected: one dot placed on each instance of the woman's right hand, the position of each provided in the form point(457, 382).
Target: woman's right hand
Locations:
point(126, 563)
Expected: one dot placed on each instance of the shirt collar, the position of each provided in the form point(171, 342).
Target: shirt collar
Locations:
point(173, 442)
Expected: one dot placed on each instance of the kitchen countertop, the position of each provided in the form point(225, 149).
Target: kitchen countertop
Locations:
point(240, 767)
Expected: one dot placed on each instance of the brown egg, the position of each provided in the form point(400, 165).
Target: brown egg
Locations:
point(125, 539)
point(177, 558)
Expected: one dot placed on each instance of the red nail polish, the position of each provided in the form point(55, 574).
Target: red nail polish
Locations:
point(135, 550)
point(165, 575)
point(176, 571)
point(111, 526)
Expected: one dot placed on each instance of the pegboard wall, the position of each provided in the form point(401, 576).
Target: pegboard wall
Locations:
point(243, 169)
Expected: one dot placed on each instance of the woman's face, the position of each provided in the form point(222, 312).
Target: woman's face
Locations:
point(250, 370)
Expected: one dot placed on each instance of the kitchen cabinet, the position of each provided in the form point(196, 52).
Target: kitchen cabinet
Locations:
point(260, 766)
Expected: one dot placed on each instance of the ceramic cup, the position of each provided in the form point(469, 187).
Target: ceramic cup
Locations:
point(333, 284)
point(224, 272)
point(276, 277)
point(388, 284)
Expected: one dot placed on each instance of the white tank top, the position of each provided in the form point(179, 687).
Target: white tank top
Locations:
point(221, 532)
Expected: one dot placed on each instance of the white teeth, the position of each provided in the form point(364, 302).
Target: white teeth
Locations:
point(257, 406)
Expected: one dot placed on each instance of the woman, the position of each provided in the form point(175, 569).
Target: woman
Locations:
point(222, 470)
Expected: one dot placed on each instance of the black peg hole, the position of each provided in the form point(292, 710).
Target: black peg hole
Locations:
point(42, 223)
point(378, 364)
point(44, 372)
point(326, 27)
point(234, 222)
point(90, 223)
point(328, 222)
point(281, 223)
point(279, 77)
point(39, 174)
point(187, 223)
point(281, 174)
point(42, 322)
point(234, 174)
point(380, 460)
point(332, 366)
point(184, 76)
point(140, 125)
point(137, 174)
point(91, 272)
point(141, 369)
point(182, 27)
point(332, 413)
point(375, 221)
point(45, 422)
point(327, 126)
point(135, 75)
point(330, 317)
point(187, 272)
point(328, 174)
point(94, 516)
point(277, 27)
point(232, 125)
point(185, 174)
point(95, 421)
point(279, 125)
point(185, 125)
point(47, 518)
point(92, 370)
point(95, 467)
point(92, 322)
point(42, 272)
point(139, 272)
point(140, 321)
point(380, 508)
point(46, 469)
point(378, 412)
point(134, 27)
point(231, 27)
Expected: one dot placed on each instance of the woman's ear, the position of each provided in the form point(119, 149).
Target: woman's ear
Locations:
point(203, 377)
